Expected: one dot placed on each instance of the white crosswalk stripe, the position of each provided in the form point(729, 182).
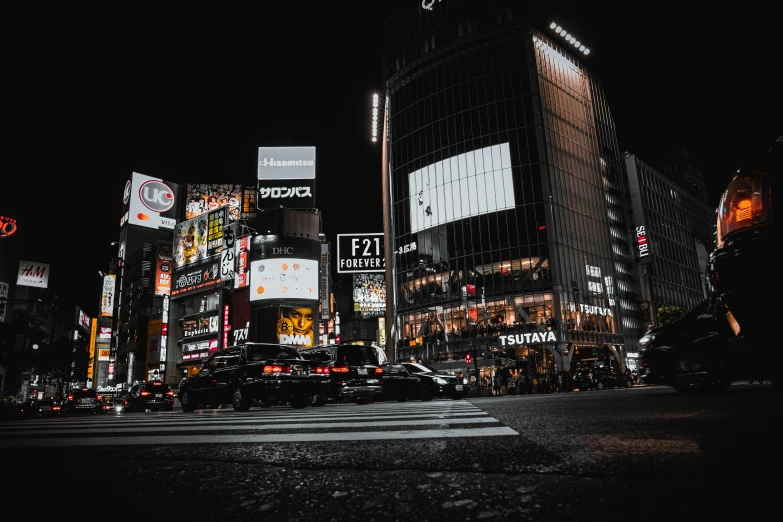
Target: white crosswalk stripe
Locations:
point(379, 421)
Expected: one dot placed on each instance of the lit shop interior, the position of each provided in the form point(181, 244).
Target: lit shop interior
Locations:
point(460, 317)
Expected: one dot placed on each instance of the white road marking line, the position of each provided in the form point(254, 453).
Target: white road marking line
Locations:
point(258, 439)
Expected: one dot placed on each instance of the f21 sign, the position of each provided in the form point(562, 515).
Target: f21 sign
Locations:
point(360, 253)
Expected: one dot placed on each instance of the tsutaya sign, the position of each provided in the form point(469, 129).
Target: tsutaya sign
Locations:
point(590, 309)
point(528, 338)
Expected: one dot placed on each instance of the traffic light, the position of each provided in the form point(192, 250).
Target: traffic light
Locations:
point(467, 358)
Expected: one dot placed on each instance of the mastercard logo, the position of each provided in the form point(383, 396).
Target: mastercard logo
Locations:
point(142, 217)
point(260, 290)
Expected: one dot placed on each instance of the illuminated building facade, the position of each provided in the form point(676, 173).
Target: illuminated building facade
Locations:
point(678, 226)
point(504, 194)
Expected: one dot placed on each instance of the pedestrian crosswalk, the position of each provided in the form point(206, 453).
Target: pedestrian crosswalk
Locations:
point(338, 422)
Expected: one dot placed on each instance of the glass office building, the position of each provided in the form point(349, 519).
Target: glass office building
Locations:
point(678, 225)
point(505, 213)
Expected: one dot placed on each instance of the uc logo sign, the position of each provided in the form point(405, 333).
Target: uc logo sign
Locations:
point(156, 196)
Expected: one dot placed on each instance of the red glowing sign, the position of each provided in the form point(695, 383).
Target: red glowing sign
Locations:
point(7, 226)
point(226, 326)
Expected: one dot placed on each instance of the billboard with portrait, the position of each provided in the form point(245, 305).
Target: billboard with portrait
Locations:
point(200, 238)
point(295, 326)
point(369, 294)
point(201, 198)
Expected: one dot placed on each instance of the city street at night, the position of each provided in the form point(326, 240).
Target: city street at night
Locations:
point(645, 453)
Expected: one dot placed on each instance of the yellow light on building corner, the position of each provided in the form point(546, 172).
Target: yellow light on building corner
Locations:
point(375, 117)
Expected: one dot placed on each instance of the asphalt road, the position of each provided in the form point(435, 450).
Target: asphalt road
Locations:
point(645, 453)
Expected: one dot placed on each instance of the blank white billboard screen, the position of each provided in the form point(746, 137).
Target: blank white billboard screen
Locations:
point(471, 184)
point(284, 278)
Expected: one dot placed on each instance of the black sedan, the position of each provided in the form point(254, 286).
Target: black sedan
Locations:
point(605, 377)
point(355, 374)
point(409, 380)
point(321, 360)
point(148, 396)
point(241, 375)
point(82, 400)
point(691, 354)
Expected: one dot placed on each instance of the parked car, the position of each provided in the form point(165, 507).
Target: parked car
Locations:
point(82, 400)
point(408, 380)
point(321, 359)
point(690, 354)
point(355, 374)
point(243, 374)
point(606, 377)
point(151, 395)
point(583, 380)
point(743, 266)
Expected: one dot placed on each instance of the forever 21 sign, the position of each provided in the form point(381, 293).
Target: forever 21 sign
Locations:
point(360, 253)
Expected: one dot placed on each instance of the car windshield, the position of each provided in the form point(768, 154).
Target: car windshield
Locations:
point(260, 352)
point(316, 355)
point(157, 387)
point(419, 368)
point(352, 355)
point(83, 393)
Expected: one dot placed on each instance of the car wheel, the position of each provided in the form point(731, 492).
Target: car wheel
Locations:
point(629, 383)
point(318, 400)
point(187, 403)
point(424, 394)
point(692, 373)
point(402, 398)
point(300, 402)
point(600, 385)
point(457, 396)
point(241, 401)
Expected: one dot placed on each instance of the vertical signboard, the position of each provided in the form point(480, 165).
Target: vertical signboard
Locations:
point(3, 300)
point(226, 326)
point(242, 273)
point(381, 331)
point(286, 176)
point(91, 360)
point(228, 254)
point(637, 207)
point(163, 270)
point(107, 298)
point(324, 289)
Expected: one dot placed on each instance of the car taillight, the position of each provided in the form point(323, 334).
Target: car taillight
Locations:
point(157, 383)
point(170, 393)
point(99, 397)
point(145, 393)
point(339, 369)
point(322, 370)
point(745, 203)
point(276, 368)
point(379, 371)
point(70, 397)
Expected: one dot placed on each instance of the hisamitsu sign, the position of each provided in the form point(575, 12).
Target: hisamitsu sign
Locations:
point(360, 253)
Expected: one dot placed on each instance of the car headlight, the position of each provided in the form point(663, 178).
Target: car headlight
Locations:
point(438, 380)
point(745, 203)
point(645, 342)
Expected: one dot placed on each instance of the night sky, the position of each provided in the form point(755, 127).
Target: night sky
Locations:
point(190, 99)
